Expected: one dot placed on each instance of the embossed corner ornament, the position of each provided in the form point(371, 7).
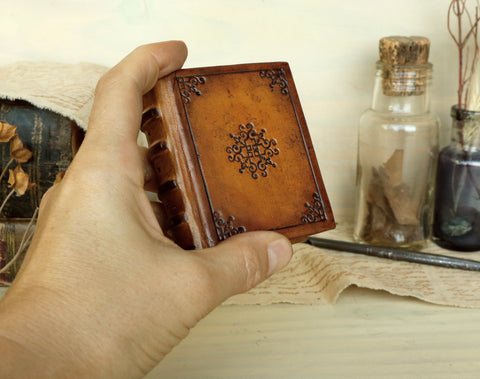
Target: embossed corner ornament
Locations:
point(315, 212)
point(188, 86)
point(277, 77)
point(252, 150)
point(226, 229)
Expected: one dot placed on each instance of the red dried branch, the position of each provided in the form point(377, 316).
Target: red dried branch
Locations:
point(458, 10)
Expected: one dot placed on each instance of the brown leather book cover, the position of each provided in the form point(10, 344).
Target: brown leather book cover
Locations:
point(232, 153)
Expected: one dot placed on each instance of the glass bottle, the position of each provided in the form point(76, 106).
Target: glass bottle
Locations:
point(456, 223)
point(397, 149)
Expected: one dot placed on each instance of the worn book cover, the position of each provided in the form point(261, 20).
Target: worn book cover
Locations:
point(232, 153)
point(51, 137)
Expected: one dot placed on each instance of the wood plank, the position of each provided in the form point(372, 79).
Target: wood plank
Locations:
point(366, 334)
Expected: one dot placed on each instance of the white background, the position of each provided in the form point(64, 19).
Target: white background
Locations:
point(331, 46)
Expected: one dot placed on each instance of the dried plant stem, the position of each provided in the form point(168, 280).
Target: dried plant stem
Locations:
point(458, 9)
point(474, 181)
point(6, 199)
point(6, 168)
point(27, 237)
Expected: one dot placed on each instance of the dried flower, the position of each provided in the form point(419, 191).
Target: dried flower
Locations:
point(19, 181)
point(19, 152)
point(7, 131)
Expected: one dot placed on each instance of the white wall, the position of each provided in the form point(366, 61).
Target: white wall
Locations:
point(331, 46)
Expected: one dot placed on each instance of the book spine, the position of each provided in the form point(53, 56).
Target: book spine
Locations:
point(163, 156)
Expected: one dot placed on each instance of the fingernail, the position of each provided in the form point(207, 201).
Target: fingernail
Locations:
point(279, 254)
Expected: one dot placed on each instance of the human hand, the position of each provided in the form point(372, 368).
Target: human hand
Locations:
point(102, 292)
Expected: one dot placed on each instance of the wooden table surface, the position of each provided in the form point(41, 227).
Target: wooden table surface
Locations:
point(366, 334)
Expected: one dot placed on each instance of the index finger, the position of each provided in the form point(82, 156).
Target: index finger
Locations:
point(116, 113)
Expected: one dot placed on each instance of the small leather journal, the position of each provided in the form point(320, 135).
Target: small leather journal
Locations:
point(232, 154)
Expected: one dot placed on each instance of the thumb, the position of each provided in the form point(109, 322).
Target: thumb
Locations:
point(245, 260)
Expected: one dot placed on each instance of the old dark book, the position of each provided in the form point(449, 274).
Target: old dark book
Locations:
point(232, 153)
point(53, 140)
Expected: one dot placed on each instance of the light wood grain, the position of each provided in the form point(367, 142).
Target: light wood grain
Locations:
point(366, 334)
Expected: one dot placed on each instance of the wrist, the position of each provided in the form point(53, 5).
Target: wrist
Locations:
point(36, 339)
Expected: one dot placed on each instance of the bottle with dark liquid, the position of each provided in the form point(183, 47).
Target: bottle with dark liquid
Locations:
point(456, 223)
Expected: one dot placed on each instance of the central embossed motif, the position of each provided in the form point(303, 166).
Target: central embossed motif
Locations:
point(252, 150)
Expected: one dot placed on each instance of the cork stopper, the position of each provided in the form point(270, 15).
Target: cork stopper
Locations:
point(398, 50)
point(404, 62)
